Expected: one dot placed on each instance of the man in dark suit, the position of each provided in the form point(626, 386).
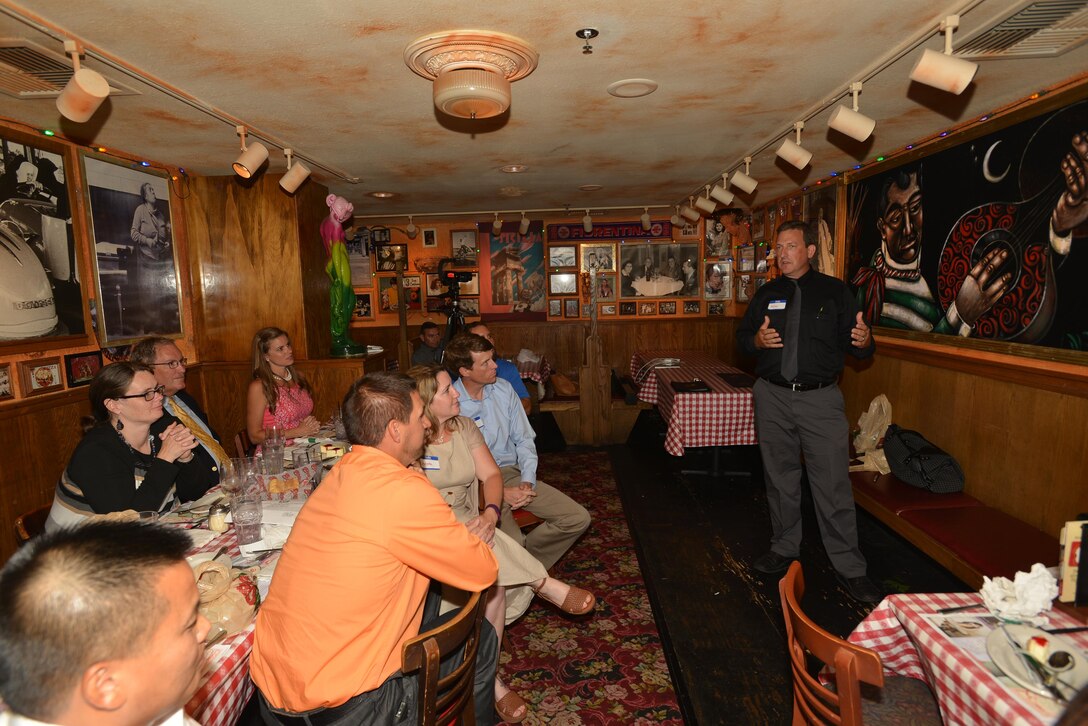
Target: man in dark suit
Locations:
point(168, 365)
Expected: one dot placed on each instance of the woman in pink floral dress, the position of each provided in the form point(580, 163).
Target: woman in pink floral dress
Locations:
point(278, 395)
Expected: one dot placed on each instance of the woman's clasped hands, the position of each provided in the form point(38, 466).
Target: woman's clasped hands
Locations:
point(178, 443)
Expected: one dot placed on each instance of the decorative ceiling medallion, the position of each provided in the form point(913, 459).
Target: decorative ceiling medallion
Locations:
point(632, 88)
point(508, 55)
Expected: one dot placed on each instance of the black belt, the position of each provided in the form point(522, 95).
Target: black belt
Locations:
point(800, 386)
point(316, 717)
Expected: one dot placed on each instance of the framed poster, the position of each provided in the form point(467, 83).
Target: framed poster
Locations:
point(628, 308)
point(472, 287)
point(6, 392)
point(717, 241)
point(565, 256)
point(563, 284)
point(389, 297)
point(555, 308)
point(463, 243)
point(430, 237)
point(135, 260)
point(570, 308)
point(41, 375)
point(80, 368)
point(389, 255)
point(598, 257)
point(44, 301)
point(364, 308)
point(512, 272)
point(820, 212)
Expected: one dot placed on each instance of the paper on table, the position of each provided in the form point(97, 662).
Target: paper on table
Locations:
point(283, 513)
point(272, 536)
point(201, 537)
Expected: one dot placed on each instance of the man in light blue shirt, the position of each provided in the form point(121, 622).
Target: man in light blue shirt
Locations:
point(491, 403)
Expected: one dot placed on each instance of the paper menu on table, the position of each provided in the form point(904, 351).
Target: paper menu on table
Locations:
point(968, 631)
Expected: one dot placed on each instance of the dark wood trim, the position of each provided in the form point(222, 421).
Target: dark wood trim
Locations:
point(24, 406)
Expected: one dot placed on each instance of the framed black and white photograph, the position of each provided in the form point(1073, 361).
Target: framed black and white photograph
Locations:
point(570, 308)
point(647, 308)
point(667, 307)
point(6, 390)
point(430, 237)
point(389, 255)
point(692, 307)
point(362, 271)
point(715, 308)
point(380, 236)
point(598, 257)
point(563, 284)
point(80, 368)
point(43, 291)
point(555, 308)
point(719, 281)
point(659, 270)
point(364, 308)
point(135, 260)
point(470, 305)
point(565, 256)
point(463, 247)
point(628, 308)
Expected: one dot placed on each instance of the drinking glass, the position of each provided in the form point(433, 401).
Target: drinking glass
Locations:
point(300, 458)
point(246, 512)
point(271, 458)
point(148, 517)
point(273, 435)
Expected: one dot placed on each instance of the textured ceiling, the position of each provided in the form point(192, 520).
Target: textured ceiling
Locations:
point(328, 78)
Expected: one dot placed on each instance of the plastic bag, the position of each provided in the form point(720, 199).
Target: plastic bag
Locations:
point(872, 424)
point(228, 598)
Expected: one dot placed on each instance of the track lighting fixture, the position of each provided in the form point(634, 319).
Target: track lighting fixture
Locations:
point(705, 204)
point(645, 219)
point(411, 230)
point(85, 90)
point(675, 218)
point(856, 125)
point(496, 226)
point(741, 180)
point(295, 175)
point(587, 223)
point(792, 152)
point(721, 191)
point(251, 158)
point(523, 228)
point(688, 213)
point(944, 71)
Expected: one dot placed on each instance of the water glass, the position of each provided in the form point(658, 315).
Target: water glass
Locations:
point(231, 482)
point(148, 517)
point(246, 513)
point(271, 458)
point(273, 435)
point(244, 467)
point(300, 459)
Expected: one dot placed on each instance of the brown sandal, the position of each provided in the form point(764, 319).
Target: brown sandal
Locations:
point(572, 604)
point(508, 705)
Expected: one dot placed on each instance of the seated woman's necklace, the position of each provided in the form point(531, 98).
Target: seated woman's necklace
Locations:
point(151, 441)
point(285, 379)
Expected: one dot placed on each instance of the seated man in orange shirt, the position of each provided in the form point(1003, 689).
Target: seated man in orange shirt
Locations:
point(349, 588)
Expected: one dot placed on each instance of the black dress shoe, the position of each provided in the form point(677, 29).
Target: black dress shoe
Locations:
point(861, 588)
point(772, 563)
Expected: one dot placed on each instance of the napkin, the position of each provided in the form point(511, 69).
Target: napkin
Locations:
point(525, 355)
point(1024, 598)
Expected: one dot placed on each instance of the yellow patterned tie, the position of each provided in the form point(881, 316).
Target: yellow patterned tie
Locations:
point(200, 432)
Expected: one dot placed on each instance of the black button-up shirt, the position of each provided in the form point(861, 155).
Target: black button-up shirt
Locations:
point(828, 313)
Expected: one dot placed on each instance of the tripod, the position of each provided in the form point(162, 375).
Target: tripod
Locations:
point(455, 321)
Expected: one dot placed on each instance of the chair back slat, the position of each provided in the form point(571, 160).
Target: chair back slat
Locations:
point(31, 524)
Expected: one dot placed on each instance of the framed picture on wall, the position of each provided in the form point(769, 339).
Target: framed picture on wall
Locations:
point(6, 389)
point(598, 257)
point(606, 288)
point(570, 308)
point(472, 287)
point(470, 305)
point(647, 308)
point(565, 256)
point(362, 271)
point(563, 284)
point(45, 299)
point(135, 262)
point(628, 308)
point(364, 307)
point(609, 309)
point(759, 216)
point(555, 308)
point(80, 368)
point(389, 255)
point(692, 307)
point(41, 375)
point(430, 237)
point(667, 307)
point(464, 247)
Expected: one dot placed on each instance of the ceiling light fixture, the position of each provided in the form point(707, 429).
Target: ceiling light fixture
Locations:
point(85, 90)
point(688, 213)
point(471, 69)
point(944, 71)
point(856, 125)
point(645, 219)
point(706, 204)
point(295, 175)
point(496, 226)
point(587, 34)
point(741, 180)
point(514, 168)
point(721, 191)
point(587, 223)
point(411, 230)
point(632, 88)
point(792, 152)
point(523, 228)
point(251, 157)
point(675, 218)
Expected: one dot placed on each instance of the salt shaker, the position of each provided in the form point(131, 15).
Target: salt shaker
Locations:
point(217, 518)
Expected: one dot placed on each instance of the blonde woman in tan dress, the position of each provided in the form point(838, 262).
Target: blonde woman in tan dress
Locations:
point(459, 464)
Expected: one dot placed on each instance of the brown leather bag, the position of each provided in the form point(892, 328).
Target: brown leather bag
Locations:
point(563, 386)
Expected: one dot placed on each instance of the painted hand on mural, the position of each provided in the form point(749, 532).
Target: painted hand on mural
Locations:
point(981, 289)
point(1072, 208)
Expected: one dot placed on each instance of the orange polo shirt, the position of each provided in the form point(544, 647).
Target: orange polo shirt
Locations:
point(349, 587)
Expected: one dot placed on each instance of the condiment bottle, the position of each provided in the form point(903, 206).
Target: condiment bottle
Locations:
point(217, 518)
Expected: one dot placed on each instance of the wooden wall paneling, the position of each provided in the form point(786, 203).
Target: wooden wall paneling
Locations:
point(311, 210)
point(243, 242)
point(39, 436)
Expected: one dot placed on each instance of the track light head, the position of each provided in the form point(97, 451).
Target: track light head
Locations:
point(645, 219)
point(411, 230)
point(496, 226)
point(944, 71)
point(523, 228)
point(587, 223)
point(251, 158)
point(296, 174)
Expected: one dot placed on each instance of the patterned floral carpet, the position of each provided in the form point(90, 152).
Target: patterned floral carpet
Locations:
point(607, 667)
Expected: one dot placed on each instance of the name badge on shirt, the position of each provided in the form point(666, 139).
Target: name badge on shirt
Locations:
point(776, 305)
point(429, 463)
point(479, 422)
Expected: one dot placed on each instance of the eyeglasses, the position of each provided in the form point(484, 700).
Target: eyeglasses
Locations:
point(173, 363)
point(149, 395)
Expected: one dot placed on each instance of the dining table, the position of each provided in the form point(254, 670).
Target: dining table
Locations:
point(720, 416)
point(657, 286)
point(949, 652)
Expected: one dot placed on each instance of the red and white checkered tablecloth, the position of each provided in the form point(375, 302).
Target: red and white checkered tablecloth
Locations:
point(721, 417)
point(539, 371)
point(225, 687)
point(967, 692)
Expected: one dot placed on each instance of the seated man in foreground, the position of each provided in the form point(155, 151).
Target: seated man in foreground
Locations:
point(99, 625)
point(492, 404)
point(350, 586)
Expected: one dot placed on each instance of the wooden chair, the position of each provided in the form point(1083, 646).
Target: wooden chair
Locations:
point(900, 700)
point(243, 445)
point(31, 524)
point(448, 699)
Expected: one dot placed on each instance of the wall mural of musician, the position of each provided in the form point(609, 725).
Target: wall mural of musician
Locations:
point(982, 240)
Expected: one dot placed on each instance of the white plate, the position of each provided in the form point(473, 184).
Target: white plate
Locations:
point(374, 349)
point(1005, 658)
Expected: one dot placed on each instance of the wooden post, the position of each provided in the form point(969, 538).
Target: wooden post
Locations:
point(595, 394)
point(404, 350)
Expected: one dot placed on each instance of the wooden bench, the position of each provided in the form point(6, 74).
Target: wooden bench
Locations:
point(961, 533)
point(625, 408)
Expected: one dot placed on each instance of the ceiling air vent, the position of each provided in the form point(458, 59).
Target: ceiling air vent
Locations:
point(29, 71)
point(1032, 30)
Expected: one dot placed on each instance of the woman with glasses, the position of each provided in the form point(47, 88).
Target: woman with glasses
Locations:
point(279, 395)
point(131, 455)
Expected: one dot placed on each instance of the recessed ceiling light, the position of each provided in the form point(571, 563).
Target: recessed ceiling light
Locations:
point(382, 195)
point(632, 88)
point(514, 168)
point(590, 188)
